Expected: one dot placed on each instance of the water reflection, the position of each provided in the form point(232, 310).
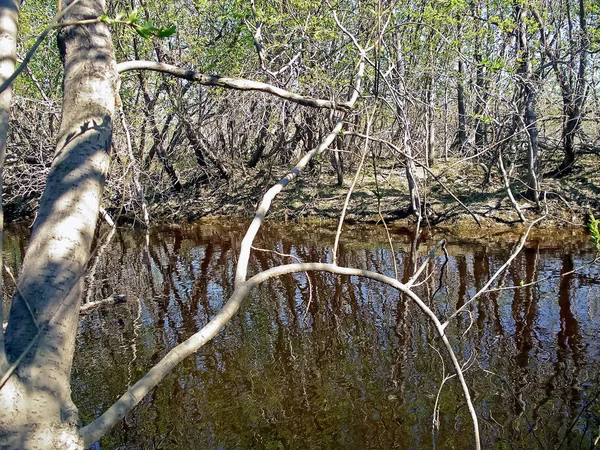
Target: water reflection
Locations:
point(320, 361)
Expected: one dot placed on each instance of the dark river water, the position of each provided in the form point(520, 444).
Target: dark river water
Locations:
point(340, 362)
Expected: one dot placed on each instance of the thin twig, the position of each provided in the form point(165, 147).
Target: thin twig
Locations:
point(295, 258)
point(551, 277)
point(387, 231)
point(15, 364)
point(442, 270)
point(436, 407)
point(12, 277)
point(338, 233)
point(424, 166)
point(431, 254)
point(135, 175)
point(511, 197)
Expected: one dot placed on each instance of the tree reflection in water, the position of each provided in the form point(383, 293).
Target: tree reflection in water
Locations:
point(361, 370)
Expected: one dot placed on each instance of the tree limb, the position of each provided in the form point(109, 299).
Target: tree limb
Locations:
point(98, 428)
point(263, 208)
point(240, 84)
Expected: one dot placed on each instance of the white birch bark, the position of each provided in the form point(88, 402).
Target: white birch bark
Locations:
point(37, 409)
point(9, 17)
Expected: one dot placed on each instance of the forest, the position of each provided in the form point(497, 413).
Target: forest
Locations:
point(478, 112)
point(499, 98)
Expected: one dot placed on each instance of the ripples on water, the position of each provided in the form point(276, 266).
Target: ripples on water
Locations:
point(341, 362)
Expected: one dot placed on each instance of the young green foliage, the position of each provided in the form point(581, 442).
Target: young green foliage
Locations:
point(144, 29)
point(593, 225)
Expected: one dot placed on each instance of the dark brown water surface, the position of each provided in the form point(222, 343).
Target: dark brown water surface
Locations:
point(341, 362)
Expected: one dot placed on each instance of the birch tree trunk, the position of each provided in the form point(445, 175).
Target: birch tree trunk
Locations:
point(9, 15)
point(37, 409)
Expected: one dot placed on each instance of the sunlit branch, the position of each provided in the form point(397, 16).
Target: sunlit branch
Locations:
point(338, 234)
point(540, 280)
point(506, 182)
point(239, 84)
point(94, 431)
point(265, 204)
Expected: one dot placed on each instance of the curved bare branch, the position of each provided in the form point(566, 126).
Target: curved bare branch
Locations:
point(136, 393)
point(265, 204)
point(239, 84)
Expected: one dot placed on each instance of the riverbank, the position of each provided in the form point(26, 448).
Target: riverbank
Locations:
point(456, 196)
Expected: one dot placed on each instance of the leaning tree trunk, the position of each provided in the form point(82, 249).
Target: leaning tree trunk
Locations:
point(9, 15)
point(261, 144)
point(571, 125)
point(37, 411)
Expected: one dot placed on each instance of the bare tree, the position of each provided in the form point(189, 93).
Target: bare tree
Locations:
point(569, 69)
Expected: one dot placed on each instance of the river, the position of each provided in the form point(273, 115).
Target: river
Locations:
point(340, 362)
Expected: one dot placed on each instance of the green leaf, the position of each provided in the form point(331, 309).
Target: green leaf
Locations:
point(134, 17)
point(593, 226)
point(144, 32)
point(166, 32)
